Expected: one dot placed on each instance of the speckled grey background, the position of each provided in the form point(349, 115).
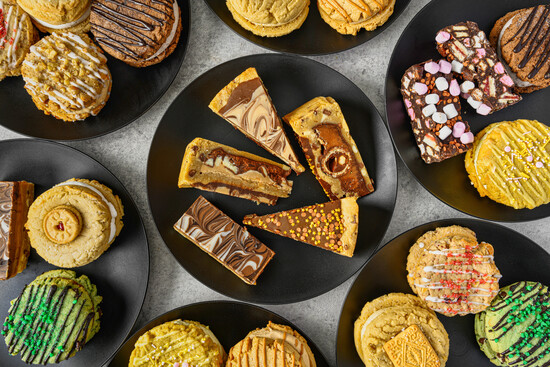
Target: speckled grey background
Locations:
point(211, 43)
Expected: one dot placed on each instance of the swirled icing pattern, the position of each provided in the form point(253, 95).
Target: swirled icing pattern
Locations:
point(250, 110)
point(223, 239)
point(6, 190)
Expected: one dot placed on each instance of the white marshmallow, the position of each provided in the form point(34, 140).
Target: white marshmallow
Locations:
point(429, 110)
point(445, 132)
point(441, 84)
point(432, 98)
point(475, 104)
point(467, 86)
point(450, 111)
point(457, 66)
point(439, 117)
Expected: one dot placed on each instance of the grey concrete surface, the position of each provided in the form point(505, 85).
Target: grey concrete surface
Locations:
point(125, 153)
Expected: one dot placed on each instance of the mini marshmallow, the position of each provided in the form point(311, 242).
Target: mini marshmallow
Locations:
point(467, 86)
point(507, 149)
point(458, 129)
point(539, 165)
point(530, 158)
point(457, 66)
point(431, 67)
point(444, 132)
point(507, 81)
point(483, 109)
point(441, 84)
point(429, 110)
point(450, 111)
point(408, 103)
point(467, 138)
point(481, 52)
point(442, 37)
point(475, 104)
point(454, 88)
point(439, 117)
point(499, 68)
point(411, 113)
point(420, 88)
point(432, 98)
point(445, 67)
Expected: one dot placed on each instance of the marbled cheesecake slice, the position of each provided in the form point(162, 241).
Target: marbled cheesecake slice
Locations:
point(246, 105)
point(212, 166)
point(331, 226)
point(15, 199)
point(330, 150)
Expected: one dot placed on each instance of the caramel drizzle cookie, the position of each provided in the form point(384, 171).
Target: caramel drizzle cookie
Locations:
point(134, 30)
point(17, 34)
point(67, 76)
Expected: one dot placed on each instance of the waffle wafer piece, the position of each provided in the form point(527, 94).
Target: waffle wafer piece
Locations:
point(331, 226)
point(15, 199)
point(452, 272)
point(431, 96)
point(330, 150)
point(411, 348)
point(487, 85)
point(223, 239)
point(212, 166)
point(272, 346)
point(510, 163)
point(246, 105)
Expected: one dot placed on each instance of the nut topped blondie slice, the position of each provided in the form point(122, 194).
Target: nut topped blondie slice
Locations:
point(246, 105)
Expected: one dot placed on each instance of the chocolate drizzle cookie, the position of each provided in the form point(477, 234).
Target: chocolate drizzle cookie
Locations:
point(138, 32)
point(17, 35)
point(66, 75)
point(522, 39)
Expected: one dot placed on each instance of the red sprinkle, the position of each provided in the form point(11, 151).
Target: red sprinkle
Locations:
point(2, 25)
point(60, 226)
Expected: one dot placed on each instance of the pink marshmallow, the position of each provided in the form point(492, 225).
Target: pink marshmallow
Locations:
point(420, 88)
point(454, 88)
point(480, 52)
point(483, 109)
point(499, 68)
point(411, 113)
point(507, 149)
point(530, 158)
point(445, 67)
point(442, 37)
point(539, 165)
point(458, 129)
point(506, 80)
point(408, 103)
point(467, 138)
point(431, 67)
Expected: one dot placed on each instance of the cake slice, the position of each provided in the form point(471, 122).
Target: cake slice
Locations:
point(487, 85)
point(331, 226)
point(212, 166)
point(329, 148)
point(223, 239)
point(15, 199)
point(246, 105)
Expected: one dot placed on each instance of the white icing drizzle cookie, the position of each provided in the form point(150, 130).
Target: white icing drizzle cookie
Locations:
point(67, 76)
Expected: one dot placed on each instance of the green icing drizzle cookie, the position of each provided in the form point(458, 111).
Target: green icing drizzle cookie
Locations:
point(515, 329)
point(53, 318)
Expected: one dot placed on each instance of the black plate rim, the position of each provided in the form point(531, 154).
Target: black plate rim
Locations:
point(386, 25)
point(195, 304)
point(447, 220)
point(387, 121)
point(76, 151)
point(378, 247)
point(186, 30)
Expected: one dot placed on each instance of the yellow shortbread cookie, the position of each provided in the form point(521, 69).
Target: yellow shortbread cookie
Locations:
point(350, 16)
point(411, 348)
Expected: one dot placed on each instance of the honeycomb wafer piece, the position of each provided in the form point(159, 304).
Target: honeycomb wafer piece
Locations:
point(411, 348)
point(431, 96)
point(212, 166)
point(331, 226)
point(487, 85)
point(330, 150)
point(510, 163)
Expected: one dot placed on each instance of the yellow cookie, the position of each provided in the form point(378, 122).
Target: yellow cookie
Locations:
point(510, 163)
point(269, 18)
point(74, 222)
point(350, 16)
point(59, 15)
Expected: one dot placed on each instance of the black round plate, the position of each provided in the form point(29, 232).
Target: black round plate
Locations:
point(517, 257)
point(314, 37)
point(120, 274)
point(448, 180)
point(229, 321)
point(134, 91)
point(298, 271)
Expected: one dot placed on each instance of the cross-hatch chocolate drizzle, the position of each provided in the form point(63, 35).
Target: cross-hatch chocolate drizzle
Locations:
point(532, 36)
point(129, 27)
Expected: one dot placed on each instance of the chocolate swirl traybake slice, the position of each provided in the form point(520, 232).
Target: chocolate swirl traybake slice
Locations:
point(15, 199)
point(329, 148)
point(53, 318)
point(211, 166)
point(223, 239)
point(246, 105)
point(331, 226)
